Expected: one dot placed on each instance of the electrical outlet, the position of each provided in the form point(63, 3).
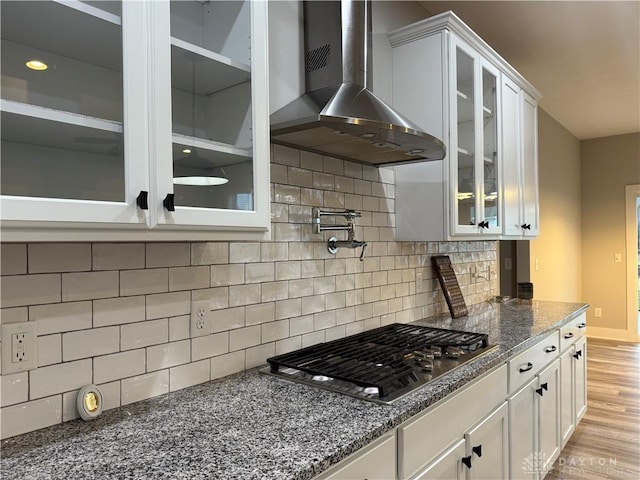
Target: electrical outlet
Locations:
point(19, 347)
point(597, 312)
point(200, 318)
point(472, 271)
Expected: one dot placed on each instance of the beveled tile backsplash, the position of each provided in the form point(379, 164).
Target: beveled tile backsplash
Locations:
point(117, 314)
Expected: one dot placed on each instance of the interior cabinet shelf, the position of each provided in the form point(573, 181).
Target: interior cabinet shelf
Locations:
point(217, 153)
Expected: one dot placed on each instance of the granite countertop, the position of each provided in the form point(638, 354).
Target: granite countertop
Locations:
point(255, 426)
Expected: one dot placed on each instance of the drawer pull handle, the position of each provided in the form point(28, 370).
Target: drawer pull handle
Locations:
point(582, 325)
point(569, 335)
point(527, 368)
point(467, 461)
point(477, 450)
point(550, 349)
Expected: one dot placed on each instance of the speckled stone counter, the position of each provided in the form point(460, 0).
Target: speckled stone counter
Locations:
point(254, 426)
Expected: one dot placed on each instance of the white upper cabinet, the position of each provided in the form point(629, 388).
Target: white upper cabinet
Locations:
point(448, 81)
point(151, 117)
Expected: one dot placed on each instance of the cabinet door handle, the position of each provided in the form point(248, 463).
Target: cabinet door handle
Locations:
point(143, 200)
point(477, 450)
point(577, 355)
point(168, 202)
point(526, 226)
point(550, 349)
point(467, 461)
point(540, 391)
point(582, 325)
point(527, 368)
point(569, 335)
point(545, 386)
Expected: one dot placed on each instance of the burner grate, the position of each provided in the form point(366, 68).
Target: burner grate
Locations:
point(375, 358)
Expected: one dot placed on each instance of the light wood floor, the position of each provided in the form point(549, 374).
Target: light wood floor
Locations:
point(606, 443)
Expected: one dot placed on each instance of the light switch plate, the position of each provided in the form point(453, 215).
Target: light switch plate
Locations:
point(19, 347)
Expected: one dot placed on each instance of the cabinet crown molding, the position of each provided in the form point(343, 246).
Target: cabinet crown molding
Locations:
point(449, 21)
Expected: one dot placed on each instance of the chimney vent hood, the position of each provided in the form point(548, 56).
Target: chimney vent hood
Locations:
point(338, 115)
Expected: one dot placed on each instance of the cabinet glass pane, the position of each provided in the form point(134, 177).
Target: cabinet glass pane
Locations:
point(62, 132)
point(490, 154)
point(466, 137)
point(211, 105)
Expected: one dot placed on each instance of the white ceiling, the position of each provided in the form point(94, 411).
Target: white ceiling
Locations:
point(583, 56)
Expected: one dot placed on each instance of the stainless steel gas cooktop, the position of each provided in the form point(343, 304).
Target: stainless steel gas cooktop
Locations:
point(383, 364)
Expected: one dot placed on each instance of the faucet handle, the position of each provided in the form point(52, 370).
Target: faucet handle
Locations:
point(364, 246)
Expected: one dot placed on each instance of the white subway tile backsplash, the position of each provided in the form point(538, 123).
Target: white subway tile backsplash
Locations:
point(257, 356)
point(324, 320)
point(61, 317)
point(210, 253)
point(228, 319)
point(333, 165)
point(144, 386)
point(224, 275)
point(260, 313)
point(188, 375)
point(117, 256)
point(168, 355)
point(110, 395)
point(313, 304)
point(210, 345)
point(300, 177)
point(335, 333)
point(224, 365)
point(300, 325)
point(275, 291)
point(89, 286)
point(49, 350)
point(141, 282)
point(244, 252)
point(288, 308)
point(119, 365)
point(311, 161)
point(143, 334)
point(63, 377)
point(14, 258)
point(244, 338)
point(59, 257)
point(25, 417)
point(14, 389)
point(14, 315)
point(188, 278)
point(90, 343)
point(286, 155)
point(259, 272)
point(168, 305)
point(244, 295)
point(24, 290)
point(69, 406)
point(277, 330)
point(300, 288)
point(117, 311)
point(168, 254)
point(312, 338)
point(217, 297)
point(288, 270)
point(179, 328)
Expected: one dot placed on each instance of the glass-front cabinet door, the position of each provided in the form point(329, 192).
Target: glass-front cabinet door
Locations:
point(474, 147)
point(73, 95)
point(211, 113)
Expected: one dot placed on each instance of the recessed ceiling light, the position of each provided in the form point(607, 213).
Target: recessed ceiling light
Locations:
point(200, 181)
point(36, 65)
point(367, 135)
point(186, 150)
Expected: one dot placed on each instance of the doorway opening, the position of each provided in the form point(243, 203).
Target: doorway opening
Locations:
point(633, 260)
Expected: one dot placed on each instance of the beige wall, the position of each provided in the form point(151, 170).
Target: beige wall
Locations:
point(558, 249)
point(608, 164)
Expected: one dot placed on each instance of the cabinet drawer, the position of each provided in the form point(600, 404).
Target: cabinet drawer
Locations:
point(573, 330)
point(524, 366)
point(421, 439)
point(374, 462)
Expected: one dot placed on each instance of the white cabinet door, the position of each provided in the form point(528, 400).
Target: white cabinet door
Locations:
point(447, 466)
point(73, 127)
point(375, 462)
point(523, 433)
point(567, 394)
point(580, 385)
point(487, 447)
point(209, 127)
point(548, 392)
point(529, 180)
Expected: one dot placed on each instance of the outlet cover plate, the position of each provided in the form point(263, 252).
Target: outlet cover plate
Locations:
point(200, 318)
point(19, 347)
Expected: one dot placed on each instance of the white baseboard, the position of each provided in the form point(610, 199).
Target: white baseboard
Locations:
point(612, 334)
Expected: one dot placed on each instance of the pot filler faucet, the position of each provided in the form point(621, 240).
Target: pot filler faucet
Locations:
point(333, 243)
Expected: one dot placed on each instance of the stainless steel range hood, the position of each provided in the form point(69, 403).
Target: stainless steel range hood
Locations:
point(339, 116)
